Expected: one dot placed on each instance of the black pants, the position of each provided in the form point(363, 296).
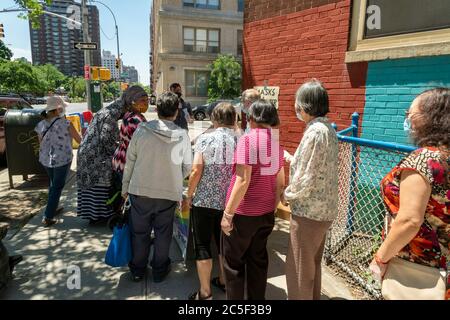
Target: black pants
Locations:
point(148, 214)
point(245, 256)
point(205, 225)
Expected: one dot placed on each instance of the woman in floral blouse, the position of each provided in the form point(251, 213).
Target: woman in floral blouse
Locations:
point(209, 181)
point(417, 191)
point(312, 193)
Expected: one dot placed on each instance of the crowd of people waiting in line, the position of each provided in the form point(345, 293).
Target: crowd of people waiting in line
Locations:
point(237, 180)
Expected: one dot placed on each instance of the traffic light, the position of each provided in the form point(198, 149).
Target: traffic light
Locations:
point(100, 74)
point(2, 31)
point(95, 73)
point(117, 63)
point(124, 86)
point(105, 74)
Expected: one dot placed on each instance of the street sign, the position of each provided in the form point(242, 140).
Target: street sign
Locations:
point(87, 72)
point(85, 45)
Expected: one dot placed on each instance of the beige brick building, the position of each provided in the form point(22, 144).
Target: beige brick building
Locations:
point(186, 36)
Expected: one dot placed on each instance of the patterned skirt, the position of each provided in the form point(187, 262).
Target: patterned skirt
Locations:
point(92, 203)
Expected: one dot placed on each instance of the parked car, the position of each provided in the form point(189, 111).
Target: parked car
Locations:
point(8, 102)
point(203, 112)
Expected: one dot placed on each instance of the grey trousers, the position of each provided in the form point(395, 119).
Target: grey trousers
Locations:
point(146, 215)
point(304, 258)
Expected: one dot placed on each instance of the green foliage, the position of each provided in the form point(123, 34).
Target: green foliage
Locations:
point(18, 77)
point(5, 52)
point(225, 79)
point(76, 87)
point(110, 90)
point(49, 78)
point(35, 10)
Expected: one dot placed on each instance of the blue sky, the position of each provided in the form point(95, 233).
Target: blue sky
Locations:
point(133, 18)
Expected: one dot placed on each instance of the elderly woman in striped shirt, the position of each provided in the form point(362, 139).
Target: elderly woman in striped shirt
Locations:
point(253, 196)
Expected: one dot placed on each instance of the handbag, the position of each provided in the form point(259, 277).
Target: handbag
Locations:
point(119, 250)
point(405, 280)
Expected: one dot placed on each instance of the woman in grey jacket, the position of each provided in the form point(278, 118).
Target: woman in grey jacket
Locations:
point(159, 158)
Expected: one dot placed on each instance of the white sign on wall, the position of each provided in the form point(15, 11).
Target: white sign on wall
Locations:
point(270, 94)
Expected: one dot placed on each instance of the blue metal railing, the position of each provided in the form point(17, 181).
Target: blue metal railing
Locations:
point(355, 141)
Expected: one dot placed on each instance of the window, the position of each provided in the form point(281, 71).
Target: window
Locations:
point(386, 29)
point(202, 4)
point(201, 40)
point(197, 83)
point(239, 43)
point(396, 16)
point(240, 5)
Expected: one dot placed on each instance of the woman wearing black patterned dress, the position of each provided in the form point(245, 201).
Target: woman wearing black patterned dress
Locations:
point(94, 162)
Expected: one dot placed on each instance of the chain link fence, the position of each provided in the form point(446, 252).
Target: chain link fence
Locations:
point(356, 233)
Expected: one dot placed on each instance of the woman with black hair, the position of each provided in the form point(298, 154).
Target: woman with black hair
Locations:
point(253, 196)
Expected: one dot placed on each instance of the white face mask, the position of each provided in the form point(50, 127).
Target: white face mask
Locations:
point(299, 115)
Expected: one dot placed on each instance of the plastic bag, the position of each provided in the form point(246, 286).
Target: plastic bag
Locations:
point(119, 250)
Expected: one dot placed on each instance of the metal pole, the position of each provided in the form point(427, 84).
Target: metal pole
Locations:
point(87, 54)
point(117, 36)
point(353, 177)
point(118, 56)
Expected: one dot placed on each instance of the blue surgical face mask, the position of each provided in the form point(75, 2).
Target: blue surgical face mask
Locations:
point(407, 126)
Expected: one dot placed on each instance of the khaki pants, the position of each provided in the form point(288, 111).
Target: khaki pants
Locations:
point(304, 258)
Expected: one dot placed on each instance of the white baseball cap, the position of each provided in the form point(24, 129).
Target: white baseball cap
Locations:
point(54, 103)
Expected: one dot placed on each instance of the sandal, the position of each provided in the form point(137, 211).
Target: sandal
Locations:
point(197, 296)
point(216, 283)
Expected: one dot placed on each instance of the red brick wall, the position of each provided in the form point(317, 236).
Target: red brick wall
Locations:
point(287, 42)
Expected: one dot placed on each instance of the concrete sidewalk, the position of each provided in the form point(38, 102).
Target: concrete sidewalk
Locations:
point(51, 254)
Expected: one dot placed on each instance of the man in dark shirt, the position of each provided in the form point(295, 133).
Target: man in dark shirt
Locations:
point(185, 114)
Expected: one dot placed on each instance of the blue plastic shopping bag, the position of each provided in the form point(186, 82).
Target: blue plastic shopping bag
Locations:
point(119, 250)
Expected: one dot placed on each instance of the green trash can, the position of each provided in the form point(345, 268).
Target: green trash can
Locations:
point(96, 96)
point(22, 143)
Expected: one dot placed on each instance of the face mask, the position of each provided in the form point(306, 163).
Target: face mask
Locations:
point(142, 108)
point(62, 112)
point(299, 115)
point(407, 126)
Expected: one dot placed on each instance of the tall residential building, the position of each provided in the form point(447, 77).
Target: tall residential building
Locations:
point(186, 36)
point(130, 74)
point(54, 41)
point(109, 61)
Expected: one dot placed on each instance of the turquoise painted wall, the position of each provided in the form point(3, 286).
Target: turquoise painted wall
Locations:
point(391, 87)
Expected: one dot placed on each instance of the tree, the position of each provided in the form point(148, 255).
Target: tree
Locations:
point(35, 10)
point(225, 79)
point(18, 77)
point(49, 77)
point(5, 52)
point(110, 90)
point(76, 87)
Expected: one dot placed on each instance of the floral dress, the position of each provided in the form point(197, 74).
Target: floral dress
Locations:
point(217, 149)
point(431, 246)
point(130, 123)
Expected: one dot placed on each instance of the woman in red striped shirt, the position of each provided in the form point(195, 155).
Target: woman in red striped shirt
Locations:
point(249, 217)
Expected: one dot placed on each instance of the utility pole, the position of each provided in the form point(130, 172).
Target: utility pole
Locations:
point(117, 37)
point(87, 54)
